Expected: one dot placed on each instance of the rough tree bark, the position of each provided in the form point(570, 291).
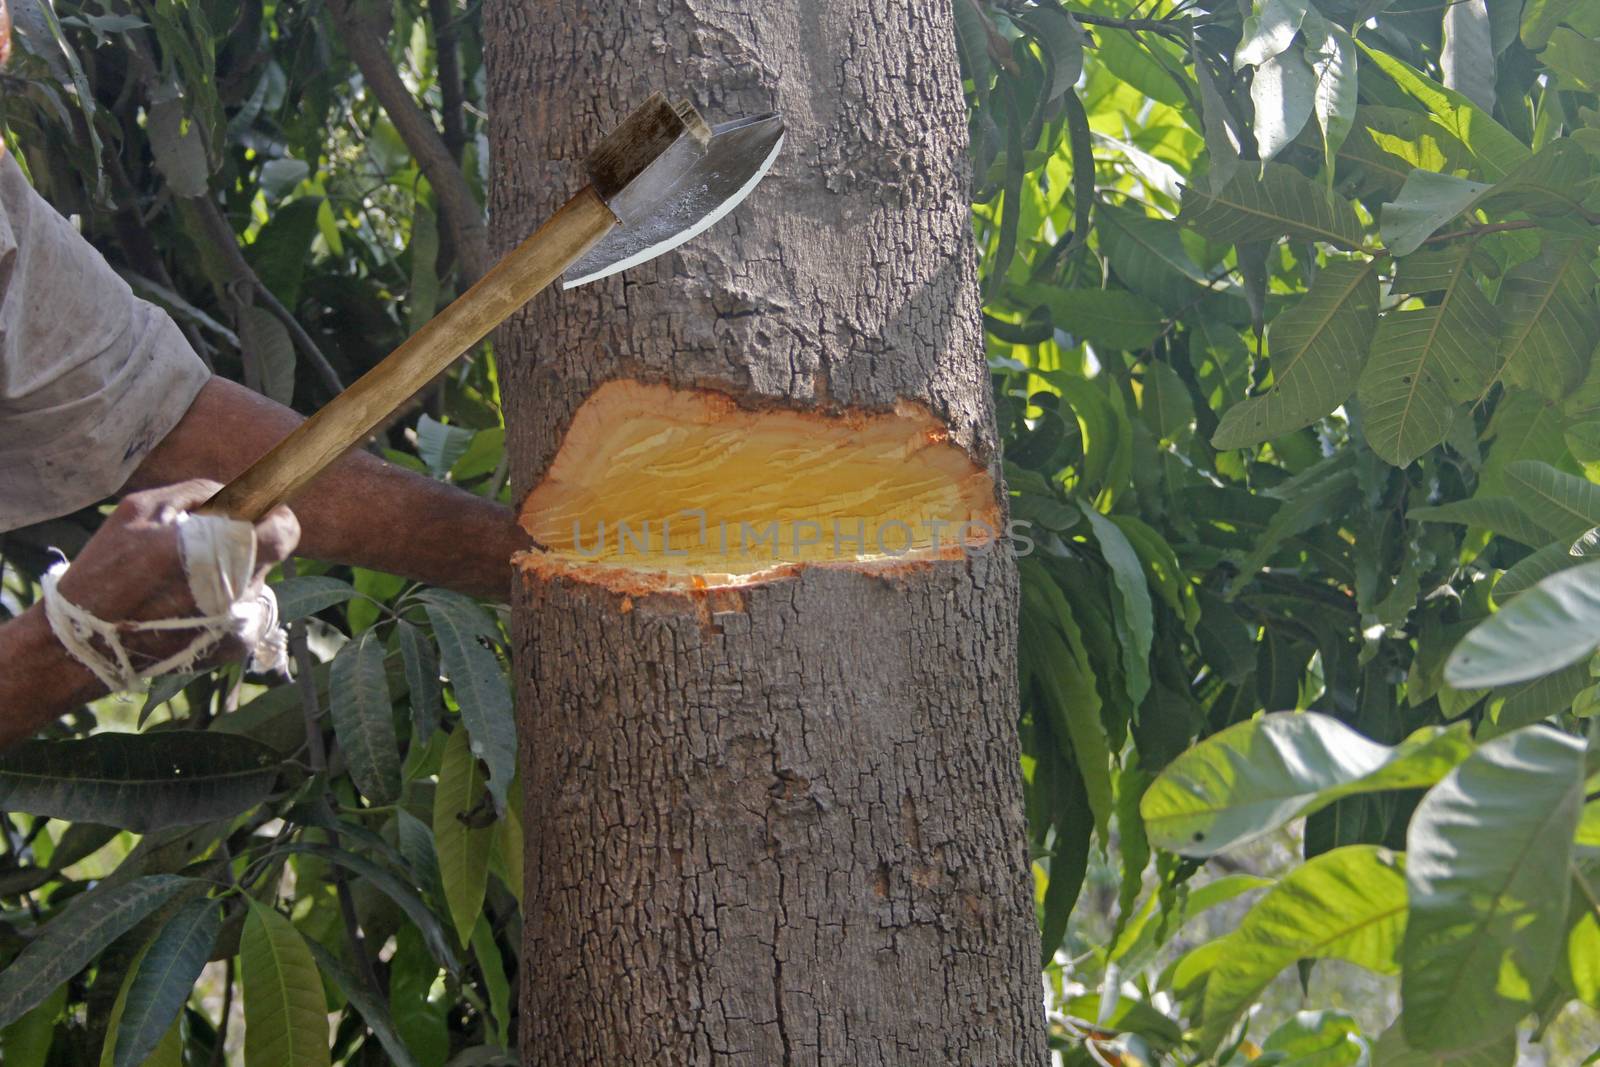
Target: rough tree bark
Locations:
point(779, 824)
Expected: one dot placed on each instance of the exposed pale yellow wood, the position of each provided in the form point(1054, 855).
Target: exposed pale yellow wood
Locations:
point(362, 408)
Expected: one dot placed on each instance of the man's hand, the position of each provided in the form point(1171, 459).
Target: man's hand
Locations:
point(131, 570)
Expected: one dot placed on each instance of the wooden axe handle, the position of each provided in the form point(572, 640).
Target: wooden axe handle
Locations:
point(351, 416)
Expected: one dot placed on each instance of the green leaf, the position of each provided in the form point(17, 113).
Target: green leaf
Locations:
point(1061, 40)
point(268, 353)
point(1467, 58)
point(1148, 255)
point(1268, 30)
point(402, 893)
point(1539, 698)
point(1282, 91)
point(1532, 569)
point(138, 782)
point(1316, 347)
point(1391, 1050)
point(1426, 202)
point(422, 680)
point(1423, 361)
point(1496, 148)
point(66, 944)
point(1500, 515)
point(478, 683)
point(1106, 318)
point(363, 718)
point(1487, 856)
point(27, 1042)
point(1347, 904)
point(299, 597)
point(487, 953)
point(1281, 202)
point(1317, 1039)
point(423, 299)
point(1554, 624)
point(1549, 323)
point(1131, 610)
point(463, 850)
point(1253, 777)
point(1576, 58)
point(285, 1016)
point(1067, 678)
point(1541, 17)
point(1567, 506)
point(374, 1012)
point(176, 143)
point(159, 986)
point(440, 445)
point(1333, 63)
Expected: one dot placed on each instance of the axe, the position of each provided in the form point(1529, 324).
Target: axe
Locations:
point(655, 181)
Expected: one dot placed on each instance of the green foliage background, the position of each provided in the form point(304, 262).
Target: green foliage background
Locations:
point(1291, 310)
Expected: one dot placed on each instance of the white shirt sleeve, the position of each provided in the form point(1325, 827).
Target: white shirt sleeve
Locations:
point(91, 377)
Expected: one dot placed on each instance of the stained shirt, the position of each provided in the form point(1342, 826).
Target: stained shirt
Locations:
point(91, 377)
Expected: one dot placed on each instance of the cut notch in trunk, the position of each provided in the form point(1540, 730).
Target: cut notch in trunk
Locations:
point(661, 488)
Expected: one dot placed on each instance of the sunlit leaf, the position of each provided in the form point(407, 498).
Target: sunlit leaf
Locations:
point(285, 1016)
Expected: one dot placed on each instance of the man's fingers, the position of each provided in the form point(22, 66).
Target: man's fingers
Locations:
point(148, 504)
point(276, 536)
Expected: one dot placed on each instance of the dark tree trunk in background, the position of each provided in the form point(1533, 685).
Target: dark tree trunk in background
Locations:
point(782, 824)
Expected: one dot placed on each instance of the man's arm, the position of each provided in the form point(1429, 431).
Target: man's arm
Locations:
point(360, 511)
point(132, 569)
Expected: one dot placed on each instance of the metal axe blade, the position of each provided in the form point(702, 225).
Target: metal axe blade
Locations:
point(681, 195)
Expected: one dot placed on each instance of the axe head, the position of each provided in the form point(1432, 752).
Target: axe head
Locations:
point(667, 176)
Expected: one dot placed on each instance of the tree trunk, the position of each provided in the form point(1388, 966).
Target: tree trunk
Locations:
point(774, 818)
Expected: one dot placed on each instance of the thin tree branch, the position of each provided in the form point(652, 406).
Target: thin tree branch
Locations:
point(453, 97)
point(458, 208)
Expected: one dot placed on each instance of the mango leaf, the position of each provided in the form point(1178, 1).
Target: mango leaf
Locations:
point(422, 680)
point(1347, 904)
point(1422, 362)
point(1316, 348)
point(1106, 318)
point(1533, 569)
point(1282, 91)
point(27, 1042)
point(1317, 1039)
point(268, 353)
point(1487, 857)
point(176, 143)
point(159, 986)
point(363, 718)
point(1495, 148)
point(1467, 58)
point(1148, 255)
point(299, 597)
point(1391, 1050)
point(66, 944)
point(285, 1015)
point(1131, 611)
point(396, 889)
point(1538, 698)
point(487, 954)
point(440, 445)
point(1254, 776)
point(1281, 202)
point(1426, 202)
point(1541, 17)
point(1332, 53)
point(1500, 515)
point(138, 782)
point(374, 1012)
point(1268, 31)
point(463, 849)
point(1576, 58)
point(1567, 505)
point(1552, 625)
point(1549, 322)
point(478, 683)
